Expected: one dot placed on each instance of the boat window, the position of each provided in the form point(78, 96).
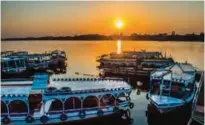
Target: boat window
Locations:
point(177, 90)
point(51, 89)
point(166, 87)
point(3, 107)
point(188, 90)
point(19, 63)
point(107, 99)
point(155, 87)
point(4, 65)
point(72, 103)
point(56, 105)
point(35, 102)
point(18, 106)
point(90, 102)
point(11, 64)
point(122, 98)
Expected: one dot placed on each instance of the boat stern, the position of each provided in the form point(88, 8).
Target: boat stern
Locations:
point(165, 103)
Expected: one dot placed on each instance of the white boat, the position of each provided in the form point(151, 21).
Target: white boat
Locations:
point(137, 63)
point(60, 99)
point(172, 87)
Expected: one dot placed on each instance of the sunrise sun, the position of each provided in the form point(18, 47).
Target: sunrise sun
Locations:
point(119, 24)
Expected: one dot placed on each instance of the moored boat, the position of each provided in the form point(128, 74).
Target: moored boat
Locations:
point(61, 99)
point(132, 63)
point(172, 88)
point(22, 64)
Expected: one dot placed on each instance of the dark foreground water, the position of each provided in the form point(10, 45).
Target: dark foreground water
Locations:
point(82, 55)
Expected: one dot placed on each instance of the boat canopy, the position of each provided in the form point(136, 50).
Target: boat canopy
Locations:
point(178, 72)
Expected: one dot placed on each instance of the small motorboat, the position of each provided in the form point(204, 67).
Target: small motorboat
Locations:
point(21, 64)
point(172, 87)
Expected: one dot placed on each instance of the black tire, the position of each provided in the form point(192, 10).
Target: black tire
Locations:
point(130, 121)
point(82, 114)
point(100, 113)
point(29, 119)
point(131, 105)
point(147, 97)
point(63, 117)
point(5, 120)
point(116, 109)
point(44, 119)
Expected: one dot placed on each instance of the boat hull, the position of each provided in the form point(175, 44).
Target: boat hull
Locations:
point(70, 119)
point(175, 116)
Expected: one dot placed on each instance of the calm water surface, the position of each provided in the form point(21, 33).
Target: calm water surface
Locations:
point(82, 55)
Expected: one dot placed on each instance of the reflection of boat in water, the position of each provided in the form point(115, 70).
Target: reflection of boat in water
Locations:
point(61, 99)
point(25, 65)
point(197, 116)
point(132, 63)
point(172, 88)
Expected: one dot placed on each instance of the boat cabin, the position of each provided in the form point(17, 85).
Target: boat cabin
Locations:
point(13, 64)
point(53, 100)
point(37, 61)
point(59, 53)
point(172, 86)
point(6, 53)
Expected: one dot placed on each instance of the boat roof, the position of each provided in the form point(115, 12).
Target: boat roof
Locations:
point(40, 82)
point(179, 72)
point(77, 84)
point(15, 90)
point(130, 54)
point(12, 58)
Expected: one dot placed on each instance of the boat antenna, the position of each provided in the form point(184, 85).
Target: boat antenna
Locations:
point(165, 54)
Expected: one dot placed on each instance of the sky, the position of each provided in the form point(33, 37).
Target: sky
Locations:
point(67, 18)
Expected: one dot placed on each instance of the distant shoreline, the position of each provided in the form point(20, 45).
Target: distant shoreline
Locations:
point(132, 37)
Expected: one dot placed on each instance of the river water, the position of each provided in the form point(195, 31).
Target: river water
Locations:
point(82, 55)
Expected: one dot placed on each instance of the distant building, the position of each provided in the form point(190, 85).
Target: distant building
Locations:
point(173, 33)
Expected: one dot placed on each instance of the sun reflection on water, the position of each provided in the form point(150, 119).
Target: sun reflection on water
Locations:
point(118, 46)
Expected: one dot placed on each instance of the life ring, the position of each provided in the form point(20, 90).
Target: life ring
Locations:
point(82, 114)
point(100, 112)
point(128, 98)
point(121, 112)
point(44, 119)
point(130, 120)
point(147, 96)
point(6, 120)
point(63, 117)
point(131, 105)
point(138, 92)
point(115, 109)
point(29, 119)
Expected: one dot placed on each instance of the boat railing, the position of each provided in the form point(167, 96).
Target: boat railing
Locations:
point(18, 114)
point(194, 105)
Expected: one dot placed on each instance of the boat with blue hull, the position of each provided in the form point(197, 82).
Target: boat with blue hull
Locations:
point(135, 65)
point(172, 88)
point(60, 99)
point(25, 65)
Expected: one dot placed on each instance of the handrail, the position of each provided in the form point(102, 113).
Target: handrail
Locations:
point(196, 97)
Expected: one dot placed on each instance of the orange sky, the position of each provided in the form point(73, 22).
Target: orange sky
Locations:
point(22, 19)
